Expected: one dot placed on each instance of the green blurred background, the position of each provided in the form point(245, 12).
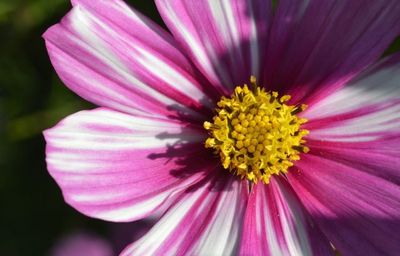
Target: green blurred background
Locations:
point(33, 215)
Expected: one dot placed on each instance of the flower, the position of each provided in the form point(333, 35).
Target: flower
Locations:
point(142, 152)
point(81, 244)
point(85, 242)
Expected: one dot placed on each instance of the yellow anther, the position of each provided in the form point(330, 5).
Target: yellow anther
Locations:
point(207, 125)
point(250, 176)
point(234, 134)
point(253, 80)
point(251, 148)
point(256, 134)
point(210, 143)
point(240, 137)
point(238, 128)
point(242, 116)
point(285, 98)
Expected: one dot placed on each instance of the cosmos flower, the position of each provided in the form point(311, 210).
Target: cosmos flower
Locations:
point(85, 242)
point(82, 244)
point(249, 128)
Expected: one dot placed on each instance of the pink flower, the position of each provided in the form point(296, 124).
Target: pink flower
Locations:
point(87, 243)
point(82, 244)
point(141, 153)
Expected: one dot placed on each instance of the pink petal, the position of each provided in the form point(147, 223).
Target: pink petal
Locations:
point(205, 220)
point(277, 224)
point(367, 109)
point(316, 46)
point(82, 244)
point(120, 167)
point(379, 158)
point(113, 56)
point(358, 210)
point(225, 39)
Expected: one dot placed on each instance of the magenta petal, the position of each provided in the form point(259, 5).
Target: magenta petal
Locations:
point(367, 109)
point(357, 210)
point(225, 39)
point(277, 224)
point(82, 244)
point(379, 158)
point(120, 167)
point(316, 46)
point(115, 57)
point(205, 220)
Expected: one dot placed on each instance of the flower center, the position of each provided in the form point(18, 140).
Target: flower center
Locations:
point(256, 134)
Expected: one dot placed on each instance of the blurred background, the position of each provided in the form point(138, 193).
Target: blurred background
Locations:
point(34, 220)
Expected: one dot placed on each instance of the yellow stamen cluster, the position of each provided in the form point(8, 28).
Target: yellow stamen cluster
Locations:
point(256, 134)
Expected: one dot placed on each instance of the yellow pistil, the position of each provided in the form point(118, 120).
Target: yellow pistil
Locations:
point(256, 134)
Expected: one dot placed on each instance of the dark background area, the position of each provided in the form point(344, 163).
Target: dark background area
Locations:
point(33, 215)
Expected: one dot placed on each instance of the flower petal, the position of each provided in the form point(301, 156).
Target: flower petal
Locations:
point(82, 243)
point(225, 39)
point(357, 210)
point(113, 56)
point(367, 109)
point(205, 220)
point(316, 46)
point(277, 224)
point(120, 167)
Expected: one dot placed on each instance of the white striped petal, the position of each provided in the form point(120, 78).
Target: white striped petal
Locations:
point(367, 109)
point(205, 220)
point(316, 47)
point(225, 39)
point(113, 56)
point(121, 167)
point(277, 225)
point(355, 204)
